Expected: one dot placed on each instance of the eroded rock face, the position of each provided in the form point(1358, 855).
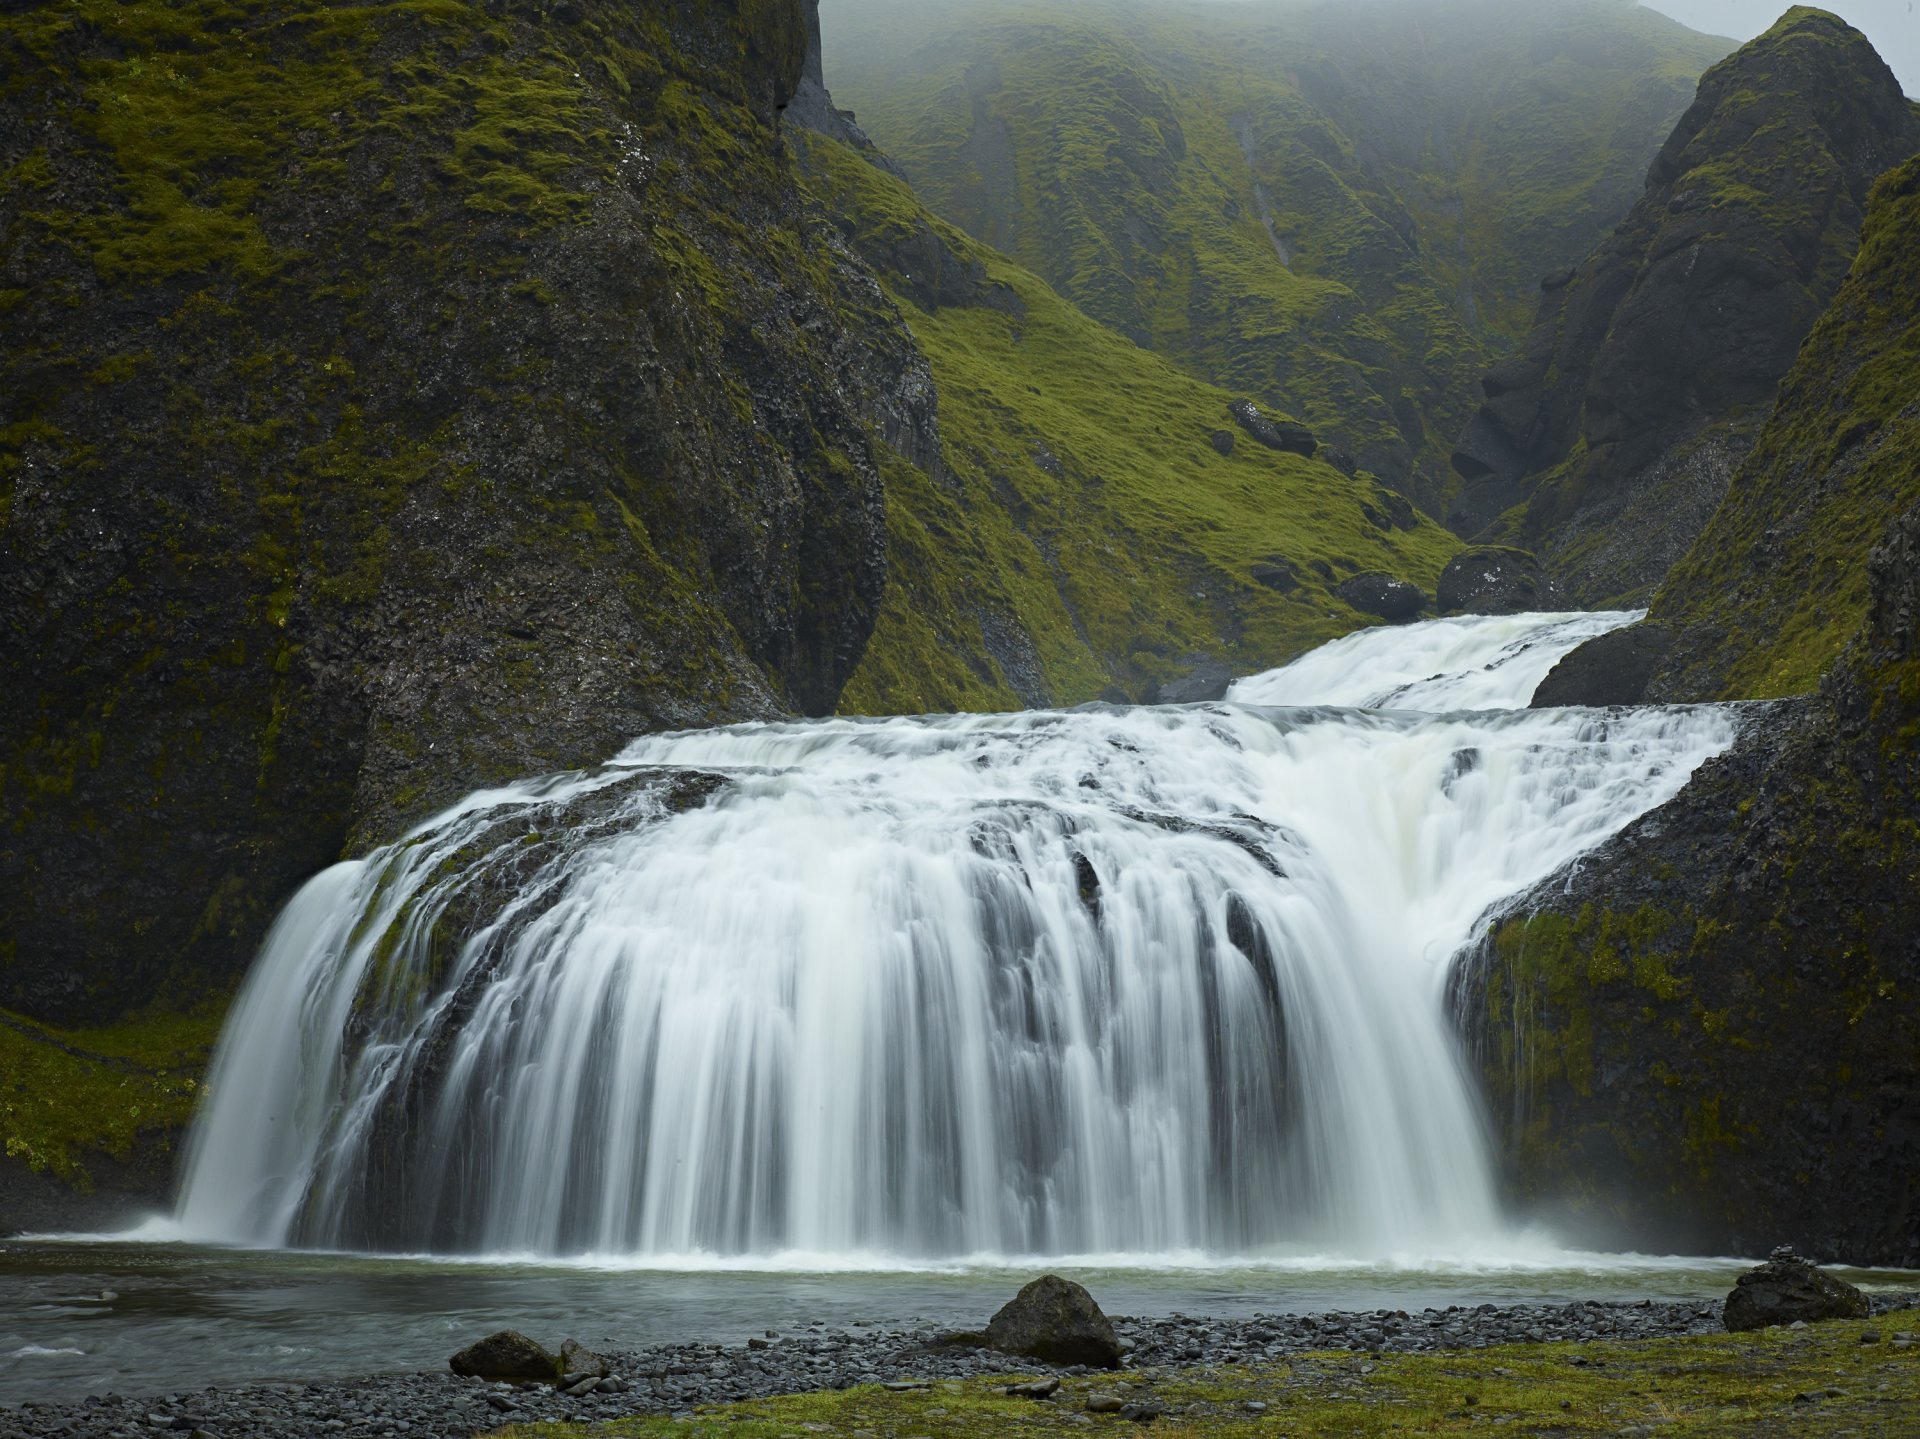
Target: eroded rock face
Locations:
point(1650, 366)
point(1788, 1289)
point(1056, 1320)
point(1611, 669)
point(402, 475)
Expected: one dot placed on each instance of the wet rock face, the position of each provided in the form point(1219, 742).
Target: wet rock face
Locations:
point(1701, 1036)
point(1683, 322)
point(432, 477)
point(1788, 1289)
point(1056, 1320)
point(1611, 669)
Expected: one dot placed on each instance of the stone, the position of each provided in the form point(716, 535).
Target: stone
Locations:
point(1376, 593)
point(1035, 1389)
point(576, 1358)
point(1144, 1412)
point(1495, 580)
point(1790, 1290)
point(1612, 669)
point(1056, 1320)
point(1207, 680)
point(1105, 1403)
point(1222, 441)
point(507, 1355)
point(1286, 436)
point(1275, 573)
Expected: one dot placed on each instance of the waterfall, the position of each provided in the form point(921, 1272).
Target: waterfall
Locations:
point(1107, 981)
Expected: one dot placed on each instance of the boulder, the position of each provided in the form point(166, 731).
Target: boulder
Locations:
point(576, 1358)
point(1376, 593)
point(507, 1355)
point(1612, 669)
point(1495, 580)
point(1788, 1288)
point(1275, 573)
point(1055, 1320)
point(1288, 436)
point(1222, 440)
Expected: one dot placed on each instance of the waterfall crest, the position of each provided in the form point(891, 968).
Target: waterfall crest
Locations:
point(1098, 982)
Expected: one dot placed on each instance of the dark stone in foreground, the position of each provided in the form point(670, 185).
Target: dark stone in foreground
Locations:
point(1056, 1320)
point(1391, 598)
point(1495, 580)
point(1612, 669)
point(1788, 1288)
point(506, 1355)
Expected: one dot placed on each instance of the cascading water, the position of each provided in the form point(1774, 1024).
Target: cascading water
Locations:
point(1098, 982)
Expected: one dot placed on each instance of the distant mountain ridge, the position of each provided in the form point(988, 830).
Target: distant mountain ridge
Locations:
point(1341, 211)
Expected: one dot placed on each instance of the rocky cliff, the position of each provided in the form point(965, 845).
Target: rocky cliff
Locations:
point(1701, 1039)
point(395, 398)
point(1607, 442)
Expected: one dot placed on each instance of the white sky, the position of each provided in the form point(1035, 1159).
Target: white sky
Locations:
point(1892, 25)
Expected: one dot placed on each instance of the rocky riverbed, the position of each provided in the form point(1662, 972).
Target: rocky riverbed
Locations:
point(676, 1378)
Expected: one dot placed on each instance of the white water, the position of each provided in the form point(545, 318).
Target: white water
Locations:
point(1154, 981)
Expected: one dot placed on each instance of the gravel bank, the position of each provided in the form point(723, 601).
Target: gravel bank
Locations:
point(674, 1378)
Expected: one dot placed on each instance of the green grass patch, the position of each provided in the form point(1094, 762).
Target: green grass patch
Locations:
point(1820, 1380)
point(66, 1094)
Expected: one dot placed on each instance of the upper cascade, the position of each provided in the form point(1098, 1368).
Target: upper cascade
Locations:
point(1104, 981)
point(1616, 428)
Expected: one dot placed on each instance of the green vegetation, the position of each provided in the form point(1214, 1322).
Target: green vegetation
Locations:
point(1082, 503)
point(1340, 211)
point(1775, 587)
point(68, 1096)
point(1821, 1380)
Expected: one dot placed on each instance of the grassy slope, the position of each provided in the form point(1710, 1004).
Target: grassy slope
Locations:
point(1085, 504)
point(1817, 1381)
point(1777, 584)
point(1419, 177)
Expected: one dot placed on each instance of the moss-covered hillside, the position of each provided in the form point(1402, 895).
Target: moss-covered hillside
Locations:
point(1342, 211)
point(397, 396)
point(1767, 599)
point(1614, 432)
point(1078, 534)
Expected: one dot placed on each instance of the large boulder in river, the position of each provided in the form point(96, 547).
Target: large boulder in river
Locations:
point(507, 1355)
point(1392, 599)
point(1610, 669)
point(1788, 1288)
point(1056, 1320)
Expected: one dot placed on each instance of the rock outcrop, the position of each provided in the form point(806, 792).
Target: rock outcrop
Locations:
point(1391, 598)
point(1789, 1290)
point(1701, 1036)
point(1607, 442)
point(508, 1355)
point(1495, 580)
point(396, 403)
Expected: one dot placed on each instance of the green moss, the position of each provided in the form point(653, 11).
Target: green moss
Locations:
point(1702, 1385)
point(66, 1095)
point(1776, 586)
point(1082, 503)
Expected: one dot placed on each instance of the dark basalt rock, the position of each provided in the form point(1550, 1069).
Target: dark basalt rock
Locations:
point(576, 1358)
point(1275, 573)
point(1287, 436)
point(1700, 1035)
point(1055, 1320)
point(1495, 580)
point(1612, 669)
point(508, 1355)
point(1391, 598)
point(1787, 1289)
point(1222, 441)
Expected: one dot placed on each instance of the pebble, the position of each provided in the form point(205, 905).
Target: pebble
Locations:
point(676, 1378)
